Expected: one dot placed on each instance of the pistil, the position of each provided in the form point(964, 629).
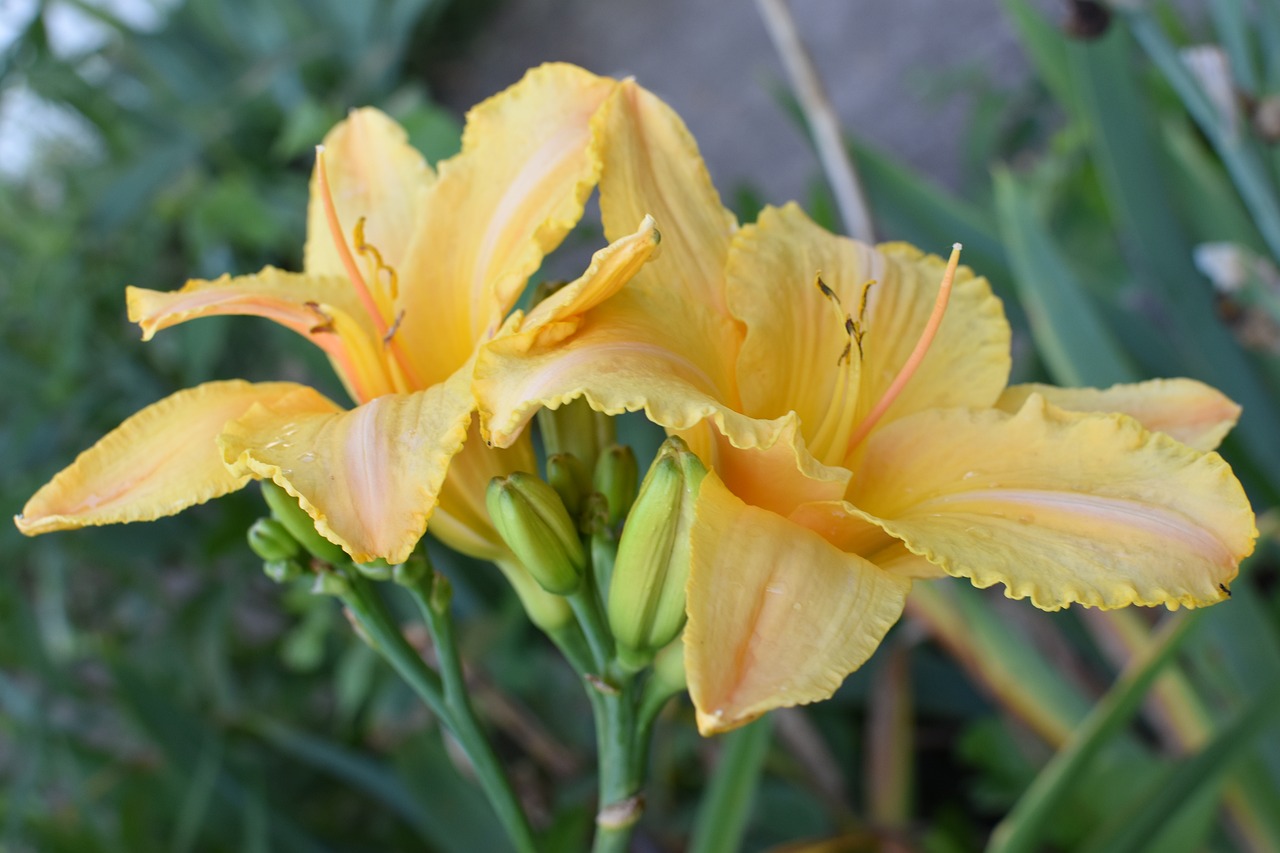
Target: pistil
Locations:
point(913, 361)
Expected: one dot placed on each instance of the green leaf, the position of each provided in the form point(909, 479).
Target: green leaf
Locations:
point(1030, 820)
point(1069, 333)
point(725, 809)
point(355, 770)
point(1198, 776)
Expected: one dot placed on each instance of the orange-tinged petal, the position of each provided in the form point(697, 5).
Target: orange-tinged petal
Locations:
point(158, 462)
point(1196, 414)
point(652, 167)
point(376, 175)
point(777, 615)
point(833, 375)
point(1060, 507)
point(323, 309)
point(778, 476)
point(843, 527)
point(370, 477)
point(529, 160)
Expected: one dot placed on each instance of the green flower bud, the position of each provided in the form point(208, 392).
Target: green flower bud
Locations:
point(532, 520)
point(270, 541)
point(412, 571)
point(378, 570)
point(549, 612)
point(668, 670)
point(572, 428)
point(646, 594)
point(331, 583)
point(570, 478)
point(285, 509)
point(615, 478)
point(282, 571)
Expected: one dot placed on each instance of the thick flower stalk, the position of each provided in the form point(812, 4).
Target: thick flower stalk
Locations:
point(406, 272)
point(852, 403)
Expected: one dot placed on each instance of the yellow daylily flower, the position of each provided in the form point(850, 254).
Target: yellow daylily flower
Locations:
point(406, 272)
point(852, 401)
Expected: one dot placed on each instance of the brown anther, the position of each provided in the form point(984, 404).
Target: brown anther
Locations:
point(326, 322)
point(395, 327)
point(826, 291)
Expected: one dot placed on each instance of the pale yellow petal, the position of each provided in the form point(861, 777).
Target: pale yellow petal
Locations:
point(842, 526)
point(374, 174)
point(529, 160)
point(831, 355)
point(323, 309)
point(1196, 414)
point(370, 477)
point(652, 168)
point(1058, 506)
point(158, 462)
point(777, 615)
point(611, 268)
point(636, 349)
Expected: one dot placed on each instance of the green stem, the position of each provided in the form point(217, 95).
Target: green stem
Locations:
point(621, 803)
point(587, 608)
point(434, 604)
point(722, 817)
point(446, 693)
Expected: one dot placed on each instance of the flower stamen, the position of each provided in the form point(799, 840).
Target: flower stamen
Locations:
point(353, 271)
point(913, 361)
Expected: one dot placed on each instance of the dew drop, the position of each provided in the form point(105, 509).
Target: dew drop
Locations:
point(307, 457)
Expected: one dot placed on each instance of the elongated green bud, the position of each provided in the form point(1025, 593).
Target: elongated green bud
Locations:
point(572, 429)
point(646, 594)
point(532, 520)
point(282, 571)
point(570, 478)
point(285, 509)
point(615, 478)
point(270, 541)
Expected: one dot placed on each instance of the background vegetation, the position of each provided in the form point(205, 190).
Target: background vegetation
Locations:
point(157, 692)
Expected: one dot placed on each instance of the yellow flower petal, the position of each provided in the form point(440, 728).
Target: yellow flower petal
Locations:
point(778, 475)
point(843, 527)
point(777, 615)
point(158, 462)
point(1194, 413)
point(652, 167)
point(829, 376)
point(528, 163)
point(323, 309)
point(1058, 506)
point(370, 477)
point(635, 350)
point(376, 175)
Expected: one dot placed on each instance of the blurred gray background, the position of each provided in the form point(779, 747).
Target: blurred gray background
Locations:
point(888, 67)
